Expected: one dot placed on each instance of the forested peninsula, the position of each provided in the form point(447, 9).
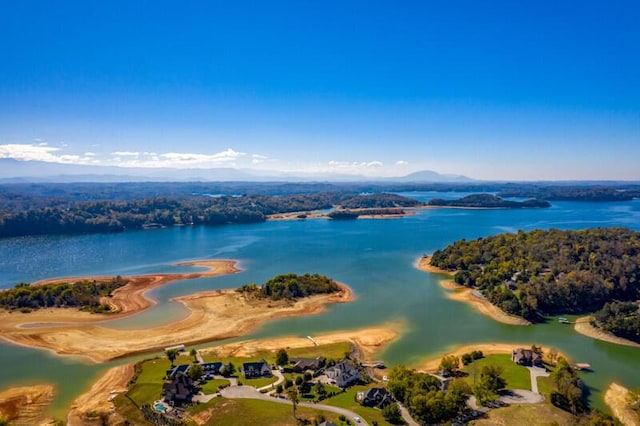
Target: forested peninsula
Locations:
point(488, 201)
point(534, 274)
point(117, 216)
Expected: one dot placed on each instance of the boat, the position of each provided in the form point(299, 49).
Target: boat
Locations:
point(563, 320)
point(583, 366)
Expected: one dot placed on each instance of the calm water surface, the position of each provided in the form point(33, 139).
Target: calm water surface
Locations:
point(375, 257)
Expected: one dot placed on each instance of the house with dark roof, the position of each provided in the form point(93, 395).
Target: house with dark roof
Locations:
point(252, 370)
point(179, 390)
point(527, 357)
point(178, 369)
point(212, 367)
point(374, 397)
point(300, 365)
point(344, 373)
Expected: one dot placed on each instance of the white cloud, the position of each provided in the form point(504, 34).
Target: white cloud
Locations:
point(175, 159)
point(401, 163)
point(126, 154)
point(89, 154)
point(33, 152)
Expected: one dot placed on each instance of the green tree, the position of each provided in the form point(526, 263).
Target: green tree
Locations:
point(392, 414)
point(172, 354)
point(282, 357)
point(449, 365)
point(194, 354)
point(292, 393)
point(196, 371)
point(491, 378)
point(229, 369)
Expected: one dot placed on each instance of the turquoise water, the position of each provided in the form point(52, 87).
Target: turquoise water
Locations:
point(375, 257)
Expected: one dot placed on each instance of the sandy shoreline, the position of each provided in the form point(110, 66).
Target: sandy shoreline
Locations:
point(464, 294)
point(97, 400)
point(26, 404)
point(616, 399)
point(584, 327)
point(316, 214)
point(432, 363)
point(213, 315)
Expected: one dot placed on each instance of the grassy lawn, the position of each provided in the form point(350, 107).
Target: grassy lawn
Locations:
point(130, 412)
point(331, 351)
point(348, 400)
point(241, 412)
point(211, 386)
point(517, 377)
point(259, 382)
point(148, 387)
point(527, 414)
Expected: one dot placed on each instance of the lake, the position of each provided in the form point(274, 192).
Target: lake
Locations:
point(375, 257)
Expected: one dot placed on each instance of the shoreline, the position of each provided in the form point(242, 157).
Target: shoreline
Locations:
point(213, 315)
point(584, 327)
point(27, 404)
point(431, 363)
point(464, 294)
point(616, 399)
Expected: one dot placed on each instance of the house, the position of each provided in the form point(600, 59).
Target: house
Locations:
point(344, 373)
point(300, 365)
point(374, 397)
point(177, 370)
point(252, 370)
point(213, 368)
point(527, 357)
point(179, 390)
point(327, 423)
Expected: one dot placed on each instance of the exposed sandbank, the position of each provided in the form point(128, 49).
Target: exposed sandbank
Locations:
point(432, 363)
point(584, 327)
point(26, 405)
point(213, 315)
point(370, 340)
point(464, 294)
point(616, 398)
point(96, 404)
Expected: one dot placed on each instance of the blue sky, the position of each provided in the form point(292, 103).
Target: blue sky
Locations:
point(492, 90)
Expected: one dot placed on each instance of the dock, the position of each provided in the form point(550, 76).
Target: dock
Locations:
point(313, 340)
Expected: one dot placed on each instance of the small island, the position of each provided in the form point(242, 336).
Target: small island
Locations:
point(541, 273)
point(488, 201)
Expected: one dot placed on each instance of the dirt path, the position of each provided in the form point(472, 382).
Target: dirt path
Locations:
point(95, 405)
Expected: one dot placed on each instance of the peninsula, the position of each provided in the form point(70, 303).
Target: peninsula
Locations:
point(488, 201)
point(213, 315)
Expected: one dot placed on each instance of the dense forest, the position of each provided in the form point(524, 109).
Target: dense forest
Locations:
point(84, 294)
point(621, 319)
point(488, 201)
point(556, 193)
point(292, 286)
point(117, 216)
point(532, 274)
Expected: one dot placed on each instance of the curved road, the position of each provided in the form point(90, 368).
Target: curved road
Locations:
point(251, 393)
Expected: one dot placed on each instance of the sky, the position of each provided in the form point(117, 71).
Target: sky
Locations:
point(530, 90)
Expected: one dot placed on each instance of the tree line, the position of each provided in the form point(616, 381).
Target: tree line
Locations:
point(292, 286)
point(84, 294)
point(118, 216)
point(533, 274)
point(621, 319)
point(489, 201)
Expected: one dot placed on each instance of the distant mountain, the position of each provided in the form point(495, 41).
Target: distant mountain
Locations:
point(14, 171)
point(431, 176)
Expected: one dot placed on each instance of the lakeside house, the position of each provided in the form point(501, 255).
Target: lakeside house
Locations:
point(300, 365)
point(213, 368)
point(252, 370)
point(178, 370)
point(344, 373)
point(179, 389)
point(527, 357)
point(374, 397)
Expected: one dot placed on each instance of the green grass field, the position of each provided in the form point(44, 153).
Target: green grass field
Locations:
point(148, 386)
point(527, 414)
point(242, 412)
point(211, 386)
point(517, 377)
point(348, 400)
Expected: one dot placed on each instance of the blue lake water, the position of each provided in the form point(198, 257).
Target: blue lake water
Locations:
point(374, 257)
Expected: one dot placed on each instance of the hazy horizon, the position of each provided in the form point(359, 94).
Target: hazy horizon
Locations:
point(494, 91)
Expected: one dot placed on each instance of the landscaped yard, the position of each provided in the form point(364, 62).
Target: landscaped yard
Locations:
point(517, 376)
point(148, 386)
point(527, 414)
point(211, 386)
point(241, 412)
point(348, 400)
point(257, 383)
